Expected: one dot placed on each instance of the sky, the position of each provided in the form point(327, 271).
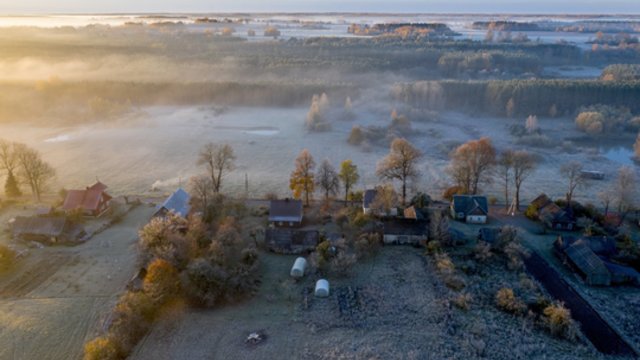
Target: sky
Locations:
point(397, 6)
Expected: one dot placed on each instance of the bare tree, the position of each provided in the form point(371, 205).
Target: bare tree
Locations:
point(302, 178)
point(625, 190)
point(439, 228)
point(400, 164)
point(531, 124)
point(202, 188)
point(349, 177)
point(327, 179)
point(524, 164)
point(9, 162)
point(386, 199)
point(504, 171)
point(471, 164)
point(218, 160)
point(606, 197)
point(33, 170)
point(572, 171)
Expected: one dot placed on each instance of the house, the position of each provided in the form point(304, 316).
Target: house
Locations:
point(291, 241)
point(178, 203)
point(552, 216)
point(582, 258)
point(285, 213)
point(48, 230)
point(404, 231)
point(622, 274)
point(367, 199)
point(92, 201)
point(473, 209)
point(600, 245)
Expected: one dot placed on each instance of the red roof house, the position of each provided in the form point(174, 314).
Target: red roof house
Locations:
point(93, 201)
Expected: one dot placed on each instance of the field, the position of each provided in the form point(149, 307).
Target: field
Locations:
point(394, 306)
point(60, 297)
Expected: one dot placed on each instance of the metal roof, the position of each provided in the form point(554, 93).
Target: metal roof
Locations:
point(178, 202)
point(287, 210)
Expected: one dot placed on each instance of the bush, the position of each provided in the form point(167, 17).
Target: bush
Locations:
point(444, 264)
point(161, 282)
point(507, 301)
point(531, 212)
point(342, 263)
point(482, 251)
point(356, 136)
point(462, 301)
point(590, 122)
point(454, 282)
point(7, 258)
point(101, 348)
point(367, 245)
point(360, 220)
point(559, 322)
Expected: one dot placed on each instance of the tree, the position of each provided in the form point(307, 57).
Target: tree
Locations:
point(572, 171)
point(400, 164)
point(510, 108)
point(386, 199)
point(9, 162)
point(439, 228)
point(33, 170)
point(471, 163)
point(328, 179)
point(606, 197)
point(302, 178)
point(202, 187)
point(625, 190)
point(531, 124)
point(349, 177)
point(218, 160)
point(504, 172)
point(316, 117)
point(348, 109)
point(524, 164)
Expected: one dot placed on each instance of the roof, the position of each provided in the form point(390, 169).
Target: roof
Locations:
point(291, 241)
point(541, 201)
point(551, 212)
point(489, 235)
point(369, 197)
point(622, 270)
point(601, 245)
point(287, 210)
point(405, 227)
point(586, 260)
point(470, 204)
point(178, 202)
point(88, 199)
point(44, 226)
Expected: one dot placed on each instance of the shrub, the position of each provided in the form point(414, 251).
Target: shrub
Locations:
point(356, 136)
point(444, 264)
point(7, 258)
point(507, 301)
point(559, 322)
point(515, 252)
point(482, 251)
point(591, 122)
point(360, 220)
point(462, 301)
point(161, 282)
point(367, 245)
point(342, 263)
point(454, 282)
point(101, 348)
point(531, 212)
point(433, 247)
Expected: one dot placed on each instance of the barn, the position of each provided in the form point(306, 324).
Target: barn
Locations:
point(48, 230)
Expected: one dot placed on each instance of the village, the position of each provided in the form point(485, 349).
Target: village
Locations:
point(559, 273)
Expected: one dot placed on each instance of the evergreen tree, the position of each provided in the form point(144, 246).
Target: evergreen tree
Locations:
point(11, 188)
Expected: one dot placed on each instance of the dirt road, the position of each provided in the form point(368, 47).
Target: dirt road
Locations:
point(58, 297)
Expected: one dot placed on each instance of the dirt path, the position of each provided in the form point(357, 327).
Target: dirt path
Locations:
point(58, 297)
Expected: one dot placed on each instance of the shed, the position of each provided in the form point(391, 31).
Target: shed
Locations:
point(299, 266)
point(404, 231)
point(322, 288)
point(588, 263)
point(178, 202)
point(285, 213)
point(47, 229)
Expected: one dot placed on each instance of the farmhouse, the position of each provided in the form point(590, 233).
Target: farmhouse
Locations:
point(48, 230)
point(552, 216)
point(178, 203)
point(92, 201)
point(470, 208)
point(285, 213)
point(404, 231)
point(291, 241)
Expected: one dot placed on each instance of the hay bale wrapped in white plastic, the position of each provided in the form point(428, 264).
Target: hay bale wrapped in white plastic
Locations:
point(299, 266)
point(322, 288)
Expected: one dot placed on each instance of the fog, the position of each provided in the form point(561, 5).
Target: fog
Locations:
point(131, 104)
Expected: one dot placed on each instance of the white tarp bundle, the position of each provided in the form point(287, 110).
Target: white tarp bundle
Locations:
point(322, 288)
point(297, 271)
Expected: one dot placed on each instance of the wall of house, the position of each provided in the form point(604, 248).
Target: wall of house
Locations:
point(476, 219)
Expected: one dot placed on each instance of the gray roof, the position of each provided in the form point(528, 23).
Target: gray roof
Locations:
point(178, 202)
point(369, 196)
point(586, 260)
point(287, 210)
point(468, 204)
point(45, 226)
